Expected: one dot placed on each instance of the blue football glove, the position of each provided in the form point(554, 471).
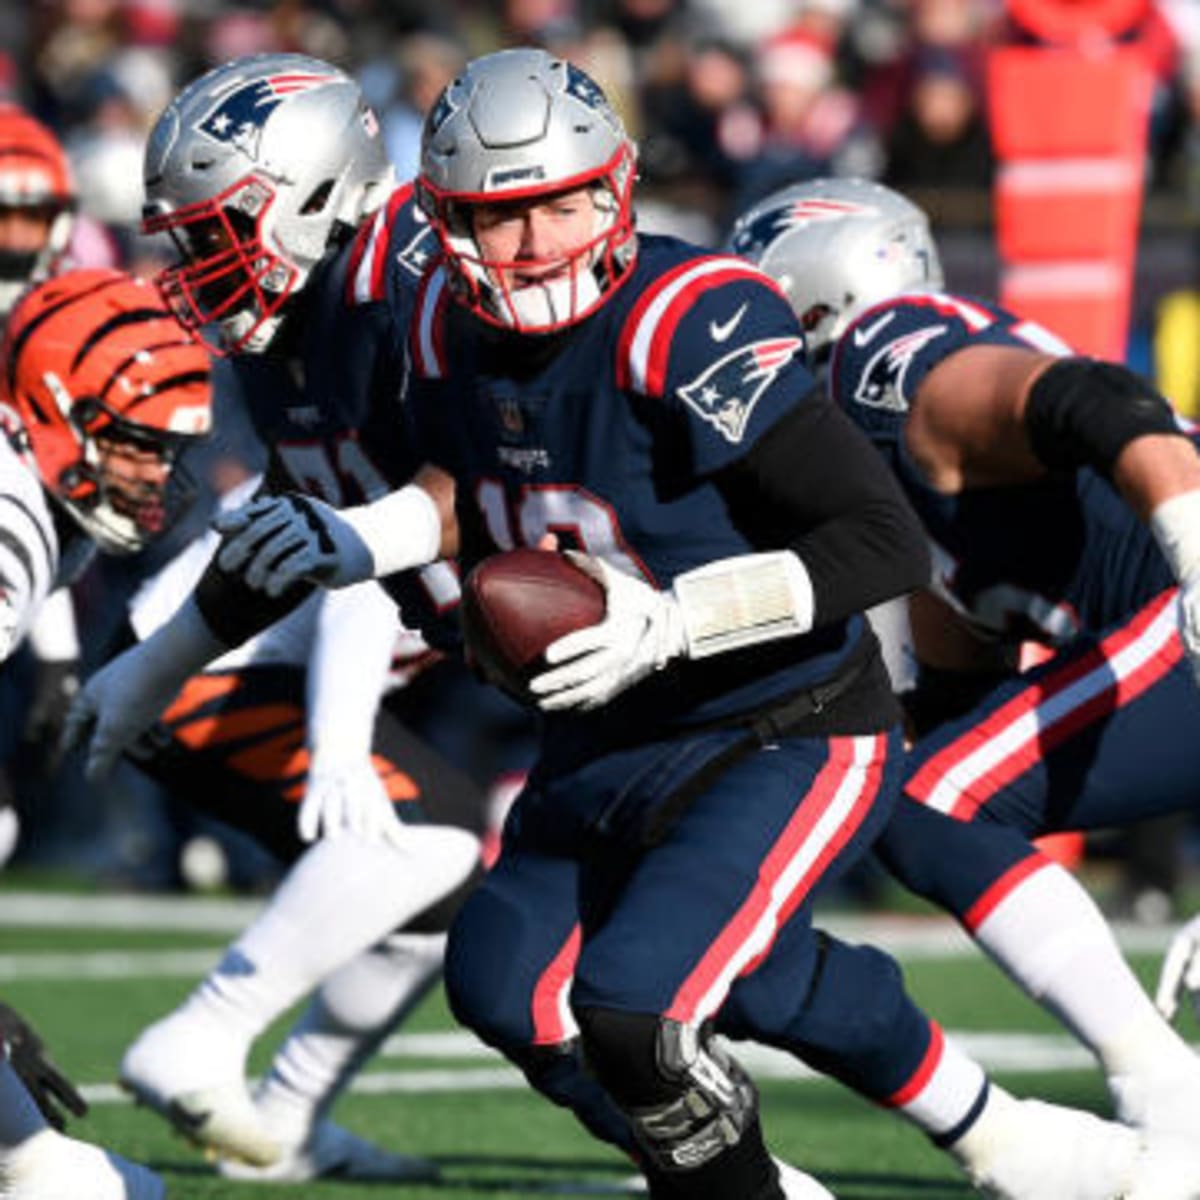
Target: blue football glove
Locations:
point(276, 541)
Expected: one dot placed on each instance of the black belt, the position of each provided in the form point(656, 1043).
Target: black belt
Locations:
point(760, 729)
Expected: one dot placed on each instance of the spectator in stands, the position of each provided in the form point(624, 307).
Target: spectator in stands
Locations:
point(941, 138)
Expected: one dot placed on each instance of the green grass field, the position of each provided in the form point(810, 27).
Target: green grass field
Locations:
point(90, 990)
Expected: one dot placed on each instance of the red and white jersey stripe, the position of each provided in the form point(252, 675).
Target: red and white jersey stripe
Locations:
point(829, 816)
point(644, 346)
point(962, 777)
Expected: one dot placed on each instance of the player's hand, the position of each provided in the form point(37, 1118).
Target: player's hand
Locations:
point(1181, 971)
point(56, 685)
point(641, 632)
point(276, 541)
point(118, 704)
point(48, 1086)
point(123, 699)
point(348, 798)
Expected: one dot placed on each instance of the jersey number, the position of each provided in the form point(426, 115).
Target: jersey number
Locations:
point(569, 512)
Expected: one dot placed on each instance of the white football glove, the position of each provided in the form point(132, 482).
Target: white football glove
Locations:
point(1180, 971)
point(1176, 527)
point(276, 541)
point(125, 697)
point(641, 632)
point(348, 798)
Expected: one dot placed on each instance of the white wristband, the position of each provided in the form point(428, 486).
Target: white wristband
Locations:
point(401, 530)
point(1176, 527)
point(742, 601)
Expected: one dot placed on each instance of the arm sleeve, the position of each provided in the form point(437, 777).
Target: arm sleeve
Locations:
point(815, 485)
point(356, 633)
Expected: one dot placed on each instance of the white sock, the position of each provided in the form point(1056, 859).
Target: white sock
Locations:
point(1050, 937)
point(944, 1089)
point(19, 1115)
point(343, 1025)
point(344, 895)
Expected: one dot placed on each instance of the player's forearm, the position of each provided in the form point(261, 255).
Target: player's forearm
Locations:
point(1154, 469)
point(838, 509)
point(404, 529)
point(234, 612)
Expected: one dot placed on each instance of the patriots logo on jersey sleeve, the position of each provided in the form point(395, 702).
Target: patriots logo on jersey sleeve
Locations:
point(726, 393)
point(881, 382)
point(416, 255)
point(240, 114)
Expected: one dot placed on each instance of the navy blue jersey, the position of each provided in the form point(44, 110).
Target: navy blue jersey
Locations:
point(1041, 561)
point(609, 436)
point(330, 404)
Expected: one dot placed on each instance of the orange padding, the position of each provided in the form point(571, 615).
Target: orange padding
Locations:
point(1059, 103)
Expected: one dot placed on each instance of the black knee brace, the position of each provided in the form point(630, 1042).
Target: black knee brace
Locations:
point(687, 1100)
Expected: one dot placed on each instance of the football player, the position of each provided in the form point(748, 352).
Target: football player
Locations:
point(267, 173)
point(1061, 499)
point(724, 742)
point(101, 389)
point(37, 204)
point(37, 215)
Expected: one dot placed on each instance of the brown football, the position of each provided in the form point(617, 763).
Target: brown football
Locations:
point(515, 604)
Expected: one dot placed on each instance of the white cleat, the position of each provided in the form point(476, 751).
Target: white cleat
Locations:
point(1166, 1170)
point(1027, 1150)
point(1165, 1109)
point(221, 1119)
point(175, 1068)
point(798, 1186)
point(331, 1152)
point(51, 1166)
point(1166, 1102)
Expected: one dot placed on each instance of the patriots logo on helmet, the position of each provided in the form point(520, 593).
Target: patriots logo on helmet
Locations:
point(726, 393)
point(770, 224)
point(881, 384)
point(239, 116)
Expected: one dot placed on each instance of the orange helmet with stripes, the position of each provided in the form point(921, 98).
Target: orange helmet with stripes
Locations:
point(107, 387)
point(36, 186)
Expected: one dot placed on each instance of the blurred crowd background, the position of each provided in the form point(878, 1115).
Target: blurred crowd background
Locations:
point(728, 99)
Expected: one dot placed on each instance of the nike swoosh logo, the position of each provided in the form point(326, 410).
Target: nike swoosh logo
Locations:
point(722, 332)
point(864, 335)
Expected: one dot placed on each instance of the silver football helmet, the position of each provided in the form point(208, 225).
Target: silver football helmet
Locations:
point(837, 246)
point(256, 169)
point(521, 125)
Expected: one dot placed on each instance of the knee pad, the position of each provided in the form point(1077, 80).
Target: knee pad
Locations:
point(687, 1100)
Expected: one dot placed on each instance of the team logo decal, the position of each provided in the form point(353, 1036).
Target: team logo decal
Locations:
point(770, 224)
point(725, 395)
point(441, 112)
point(881, 384)
point(416, 254)
point(238, 117)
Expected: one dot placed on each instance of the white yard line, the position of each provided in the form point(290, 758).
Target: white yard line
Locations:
point(911, 937)
point(1041, 1053)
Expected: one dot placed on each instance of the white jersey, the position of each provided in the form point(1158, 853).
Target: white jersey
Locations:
point(29, 550)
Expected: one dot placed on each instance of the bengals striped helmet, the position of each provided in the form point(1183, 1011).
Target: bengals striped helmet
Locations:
point(37, 203)
point(107, 387)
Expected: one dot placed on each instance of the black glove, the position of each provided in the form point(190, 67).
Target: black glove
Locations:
point(55, 685)
point(45, 1082)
